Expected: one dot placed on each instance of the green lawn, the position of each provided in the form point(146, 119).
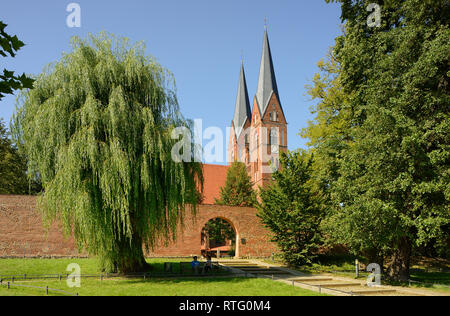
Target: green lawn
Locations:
point(219, 286)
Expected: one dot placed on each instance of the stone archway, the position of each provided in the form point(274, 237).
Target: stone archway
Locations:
point(232, 225)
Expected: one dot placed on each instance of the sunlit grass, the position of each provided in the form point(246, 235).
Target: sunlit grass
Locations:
point(176, 286)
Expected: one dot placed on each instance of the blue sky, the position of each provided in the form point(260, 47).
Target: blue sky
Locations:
point(200, 41)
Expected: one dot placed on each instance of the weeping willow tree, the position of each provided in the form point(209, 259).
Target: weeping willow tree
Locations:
point(97, 128)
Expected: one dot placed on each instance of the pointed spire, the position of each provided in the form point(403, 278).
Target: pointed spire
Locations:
point(267, 82)
point(242, 110)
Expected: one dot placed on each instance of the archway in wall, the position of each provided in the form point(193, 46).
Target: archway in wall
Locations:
point(219, 238)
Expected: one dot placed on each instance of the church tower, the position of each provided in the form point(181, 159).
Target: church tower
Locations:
point(258, 136)
point(268, 124)
point(238, 149)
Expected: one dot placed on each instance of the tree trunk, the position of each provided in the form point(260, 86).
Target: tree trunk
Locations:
point(374, 256)
point(131, 258)
point(398, 267)
point(127, 257)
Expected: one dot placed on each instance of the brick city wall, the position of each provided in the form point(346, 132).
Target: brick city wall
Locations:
point(22, 233)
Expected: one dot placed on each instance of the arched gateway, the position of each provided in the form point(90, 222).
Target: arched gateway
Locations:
point(252, 239)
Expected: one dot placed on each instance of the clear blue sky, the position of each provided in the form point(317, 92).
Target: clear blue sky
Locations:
point(200, 41)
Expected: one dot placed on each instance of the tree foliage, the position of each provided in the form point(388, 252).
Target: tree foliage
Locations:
point(238, 189)
point(290, 210)
point(97, 128)
point(13, 178)
point(9, 45)
point(218, 230)
point(390, 186)
point(330, 131)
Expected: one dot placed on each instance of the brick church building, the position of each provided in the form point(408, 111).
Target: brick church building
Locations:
point(258, 135)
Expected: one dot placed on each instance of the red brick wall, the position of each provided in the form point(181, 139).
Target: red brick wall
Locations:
point(22, 233)
point(214, 178)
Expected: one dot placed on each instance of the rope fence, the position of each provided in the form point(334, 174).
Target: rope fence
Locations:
point(142, 275)
point(46, 288)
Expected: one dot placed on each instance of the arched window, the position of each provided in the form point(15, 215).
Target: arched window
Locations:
point(273, 136)
point(274, 140)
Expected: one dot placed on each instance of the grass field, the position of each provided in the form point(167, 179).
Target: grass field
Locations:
point(218, 286)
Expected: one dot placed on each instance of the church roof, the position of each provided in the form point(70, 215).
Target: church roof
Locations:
point(267, 82)
point(242, 110)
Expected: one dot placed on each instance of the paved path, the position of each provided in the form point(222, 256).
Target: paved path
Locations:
point(327, 284)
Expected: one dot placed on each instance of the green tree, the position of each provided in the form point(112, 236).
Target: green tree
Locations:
point(329, 132)
point(393, 187)
point(238, 189)
point(13, 178)
point(218, 230)
point(97, 128)
point(9, 45)
point(290, 210)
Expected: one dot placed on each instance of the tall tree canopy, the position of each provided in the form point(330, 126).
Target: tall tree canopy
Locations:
point(238, 189)
point(290, 209)
point(9, 45)
point(329, 132)
point(392, 187)
point(97, 128)
point(13, 178)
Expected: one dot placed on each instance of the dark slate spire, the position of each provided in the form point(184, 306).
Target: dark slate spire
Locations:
point(242, 110)
point(266, 82)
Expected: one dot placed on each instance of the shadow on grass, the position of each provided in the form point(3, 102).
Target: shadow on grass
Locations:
point(200, 280)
